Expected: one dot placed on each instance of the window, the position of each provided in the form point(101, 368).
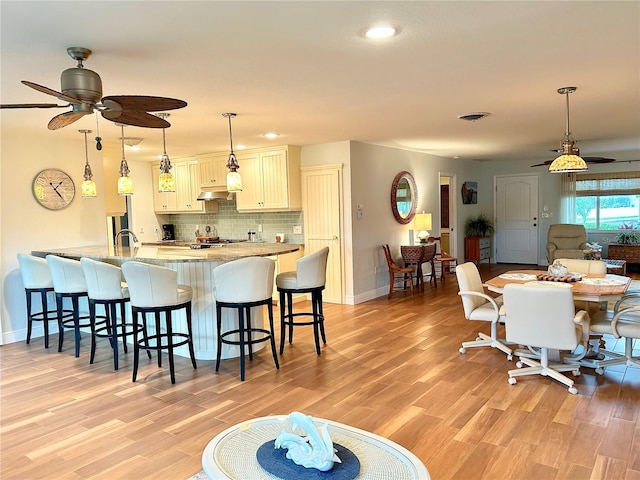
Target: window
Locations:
point(608, 201)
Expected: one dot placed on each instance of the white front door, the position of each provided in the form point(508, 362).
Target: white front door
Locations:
point(322, 204)
point(517, 219)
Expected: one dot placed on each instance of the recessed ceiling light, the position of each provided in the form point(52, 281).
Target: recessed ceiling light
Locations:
point(240, 147)
point(380, 31)
point(271, 135)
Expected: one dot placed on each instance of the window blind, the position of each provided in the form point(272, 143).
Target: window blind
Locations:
point(611, 183)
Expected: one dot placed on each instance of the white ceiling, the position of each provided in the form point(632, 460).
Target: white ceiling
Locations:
point(303, 69)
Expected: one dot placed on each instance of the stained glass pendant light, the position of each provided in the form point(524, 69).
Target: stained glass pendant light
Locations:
point(125, 185)
point(234, 182)
point(569, 159)
point(166, 180)
point(88, 185)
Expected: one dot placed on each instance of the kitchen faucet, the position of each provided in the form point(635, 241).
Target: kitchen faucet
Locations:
point(127, 232)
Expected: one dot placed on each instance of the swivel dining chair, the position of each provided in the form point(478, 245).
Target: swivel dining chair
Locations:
point(589, 268)
point(106, 287)
point(622, 322)
point(398, 275)
point(36, 279)
point(479, 306)
point(155, 290)
point(241, 285)
point(68, 282)
point(543, 318)
point(310, 277)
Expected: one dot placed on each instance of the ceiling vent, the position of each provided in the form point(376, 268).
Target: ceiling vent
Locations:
point(473, 117)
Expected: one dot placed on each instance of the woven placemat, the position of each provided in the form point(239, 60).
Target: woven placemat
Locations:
point(553, 278)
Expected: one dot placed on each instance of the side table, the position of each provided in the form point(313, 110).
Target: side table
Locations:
point(232, 453)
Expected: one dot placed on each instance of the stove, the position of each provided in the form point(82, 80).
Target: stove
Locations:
point(214, 243)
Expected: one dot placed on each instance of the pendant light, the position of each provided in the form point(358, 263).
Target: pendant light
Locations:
point(569, 159)
point(88, 185)
point(234, 182)
point(125, 185)
point(166, 180)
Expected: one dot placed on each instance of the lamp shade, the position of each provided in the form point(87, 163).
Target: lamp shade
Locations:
point(125, 186)
point(166, 183)
point(422, 221)
point(89, 189)
point(234, 182)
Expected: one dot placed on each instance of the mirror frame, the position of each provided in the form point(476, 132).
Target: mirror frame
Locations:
point(394, 197)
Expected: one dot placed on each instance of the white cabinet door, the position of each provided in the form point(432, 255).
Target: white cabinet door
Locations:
point(213, 171)
point(275, 179)
point(251, 173)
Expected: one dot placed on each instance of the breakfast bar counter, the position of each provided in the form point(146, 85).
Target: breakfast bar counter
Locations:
point(195, 268)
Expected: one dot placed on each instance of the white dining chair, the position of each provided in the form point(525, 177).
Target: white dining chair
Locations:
point(479, 306)
point(543, 318)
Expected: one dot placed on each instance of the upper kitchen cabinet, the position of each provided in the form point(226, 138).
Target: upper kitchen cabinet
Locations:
point(213, 171)
point(271, 180)
point(184, 199)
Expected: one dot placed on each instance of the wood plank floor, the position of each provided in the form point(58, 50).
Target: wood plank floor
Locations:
point(390, 366)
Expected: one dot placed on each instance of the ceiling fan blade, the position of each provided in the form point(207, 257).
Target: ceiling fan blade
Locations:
point(33, 105)
point(548, 162)
point(64, 119)
point(145, 103)
point(135, 118)
point(598, 159)
point(49, 91)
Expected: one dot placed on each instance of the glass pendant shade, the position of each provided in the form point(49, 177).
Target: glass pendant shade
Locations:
point(88, 188)
point(125, 186)
point(166, 183)
point(234, 182)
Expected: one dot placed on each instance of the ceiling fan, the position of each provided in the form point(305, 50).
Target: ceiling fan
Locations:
point(82, 89)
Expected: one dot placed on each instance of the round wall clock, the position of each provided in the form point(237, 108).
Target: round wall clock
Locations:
point(53, 189)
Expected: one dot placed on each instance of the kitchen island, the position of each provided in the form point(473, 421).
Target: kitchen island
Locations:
point(195, 268)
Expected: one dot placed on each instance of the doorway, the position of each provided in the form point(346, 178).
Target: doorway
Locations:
point(448, 216)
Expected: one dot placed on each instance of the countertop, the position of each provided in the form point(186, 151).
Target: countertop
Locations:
point(159, 254)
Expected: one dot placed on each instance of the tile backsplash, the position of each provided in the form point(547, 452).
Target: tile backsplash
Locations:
point(228, 223)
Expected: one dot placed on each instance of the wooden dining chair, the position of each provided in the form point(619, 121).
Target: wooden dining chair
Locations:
point(397, 273)
point(442, 259)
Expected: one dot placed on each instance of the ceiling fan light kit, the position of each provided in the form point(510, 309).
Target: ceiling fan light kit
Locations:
point(234, 181)
point(88, 185)
point(569, 159)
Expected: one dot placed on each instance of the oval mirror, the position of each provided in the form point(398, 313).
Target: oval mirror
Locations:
point(404, 197)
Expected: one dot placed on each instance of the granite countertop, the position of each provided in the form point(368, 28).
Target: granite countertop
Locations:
point(151, 253)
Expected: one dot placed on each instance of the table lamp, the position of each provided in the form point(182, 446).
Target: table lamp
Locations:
point(422, 223)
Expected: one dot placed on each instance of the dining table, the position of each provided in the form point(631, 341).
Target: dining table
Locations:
point(611, 287)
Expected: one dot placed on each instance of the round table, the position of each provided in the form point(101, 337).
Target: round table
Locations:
point(232, 453)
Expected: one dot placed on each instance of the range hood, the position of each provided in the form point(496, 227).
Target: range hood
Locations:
point(207, 195)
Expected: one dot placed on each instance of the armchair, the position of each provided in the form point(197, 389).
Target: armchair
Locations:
point(566, 241)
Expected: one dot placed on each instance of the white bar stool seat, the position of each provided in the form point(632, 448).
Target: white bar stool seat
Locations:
point(106, 287)
point(310, 277)
point(155, 289)
point(68, 282)
point(36, 278)
point(243, 284)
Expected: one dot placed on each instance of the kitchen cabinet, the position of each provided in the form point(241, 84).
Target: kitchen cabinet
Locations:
point(271, 180)
point(213, 171)
point(184, 199)
point(187, 186)
point(477, 249)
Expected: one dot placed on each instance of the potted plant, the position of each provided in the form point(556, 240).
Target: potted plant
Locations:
point(627, 238)
point(480, 226)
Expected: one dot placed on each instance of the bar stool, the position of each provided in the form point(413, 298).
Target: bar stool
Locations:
point(36, 278)
point(309, 277)
point(155, 289)
point(106, 287)
point(68, 282)
point(242, 284)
